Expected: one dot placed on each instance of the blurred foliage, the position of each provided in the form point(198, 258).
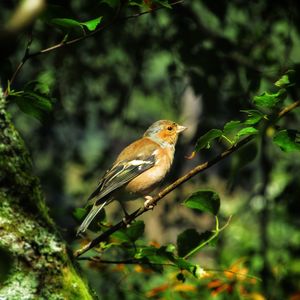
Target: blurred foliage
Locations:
point(200, 63)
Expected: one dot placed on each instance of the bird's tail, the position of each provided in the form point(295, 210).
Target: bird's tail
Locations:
point(89, 218)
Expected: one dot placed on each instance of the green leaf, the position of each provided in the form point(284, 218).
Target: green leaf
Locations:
point(287, 80)
point(269, 100)
point(146, 252)
point(79, 213)
point(253, 116)
point(66, 23)
point(121, 236)
point(205, 201)
point(189, 240)
point(33, 104)
point(136, 3)
point(34, 100)
point(205, 140)
point(231, 126)
point(135, 230)
point(185, 265)
point(283, 81)
point(156, 255)
point(132, 233)
point(163, 252)
point(163, 3)
point(246, 131)
point(92, 24)
point(287, 140)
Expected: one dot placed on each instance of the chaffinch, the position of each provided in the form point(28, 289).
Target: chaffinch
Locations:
point(138, 169)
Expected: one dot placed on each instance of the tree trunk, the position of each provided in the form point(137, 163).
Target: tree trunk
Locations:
point(34, 262)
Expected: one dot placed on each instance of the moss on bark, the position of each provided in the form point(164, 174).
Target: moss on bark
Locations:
point(35, 257)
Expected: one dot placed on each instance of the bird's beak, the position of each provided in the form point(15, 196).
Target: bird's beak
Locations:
point(180, 128)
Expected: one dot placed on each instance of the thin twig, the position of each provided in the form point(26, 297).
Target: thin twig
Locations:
point(198, 169)
point(76, 40)
point(151, 10)
point(64, 43)
point(287, 109)
point(20, 65)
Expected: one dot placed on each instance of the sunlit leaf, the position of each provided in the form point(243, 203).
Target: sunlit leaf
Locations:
point(92, 24)
point(189, 240)
point(253, 116)
point(247, 131)
point(205, 201)
point(205, 140)
point(288, 140)
point(286, 80)
point(283, 81)
point(231, 126)
point(67, 23)
point(269, 100)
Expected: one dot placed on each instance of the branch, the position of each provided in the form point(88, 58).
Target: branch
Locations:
point(63, 43)
point(287, 109)
point(198, 169)
point(20, 65)
point(97, 259)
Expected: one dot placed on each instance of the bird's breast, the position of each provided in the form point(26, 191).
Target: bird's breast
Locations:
point(148, 180)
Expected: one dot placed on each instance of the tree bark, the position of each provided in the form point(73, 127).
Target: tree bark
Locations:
point(34, 261)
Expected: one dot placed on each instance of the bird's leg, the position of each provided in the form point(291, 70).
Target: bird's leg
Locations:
point(148, 203)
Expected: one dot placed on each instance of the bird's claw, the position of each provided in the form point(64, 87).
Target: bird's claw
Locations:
point(148, 203)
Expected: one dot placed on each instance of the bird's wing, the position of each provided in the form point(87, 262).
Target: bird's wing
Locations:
point(120, 174)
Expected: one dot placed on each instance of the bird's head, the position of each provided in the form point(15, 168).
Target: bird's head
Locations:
point(164, 132)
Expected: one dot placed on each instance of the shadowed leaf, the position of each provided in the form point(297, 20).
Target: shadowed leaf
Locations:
point(205, 201)
point(269, 100)
point(189, 240)
point(288, 140)
point(205, 140)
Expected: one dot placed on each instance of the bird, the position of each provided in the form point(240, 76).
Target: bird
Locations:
point(137, 171)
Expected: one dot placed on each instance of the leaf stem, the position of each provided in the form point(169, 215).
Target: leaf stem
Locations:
point(216, 233)
point(227, 139)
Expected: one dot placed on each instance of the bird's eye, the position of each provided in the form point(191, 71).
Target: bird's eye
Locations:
point(170, 128)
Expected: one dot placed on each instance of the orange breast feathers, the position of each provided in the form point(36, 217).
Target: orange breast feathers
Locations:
point(148, 180)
